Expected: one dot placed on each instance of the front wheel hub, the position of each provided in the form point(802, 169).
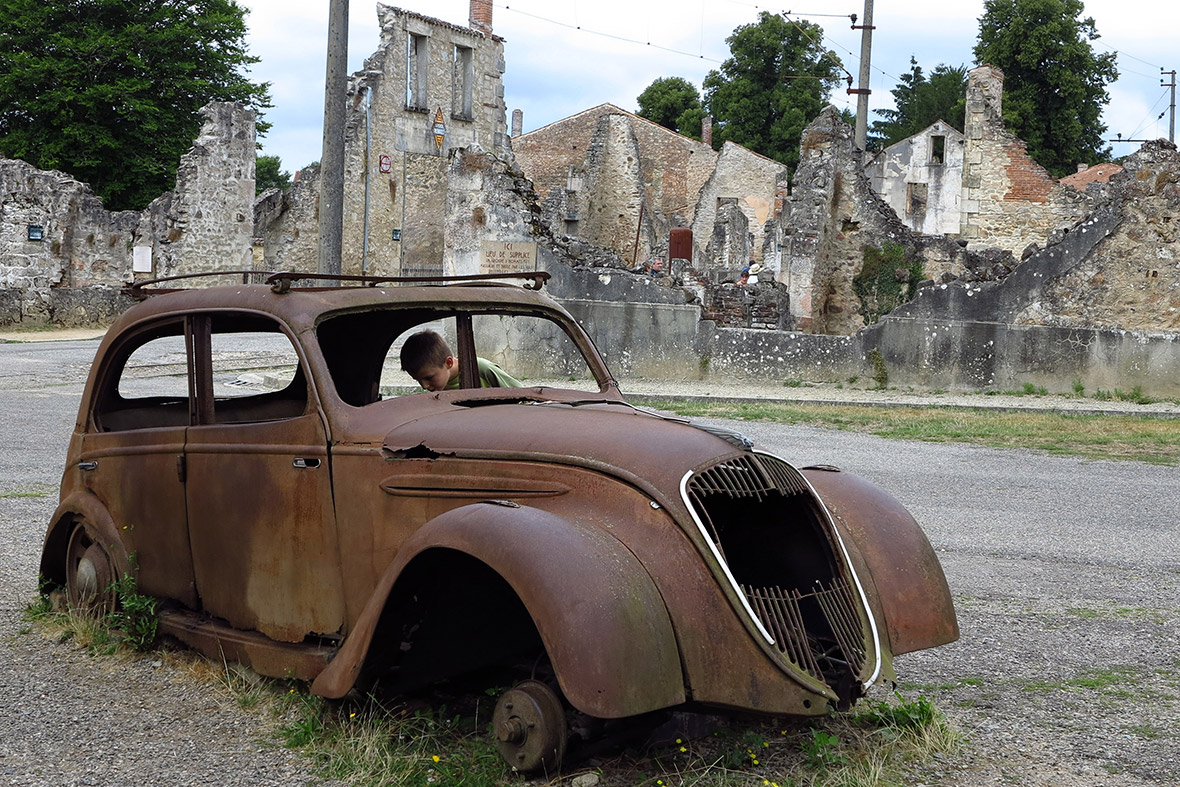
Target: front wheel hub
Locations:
point(530, 727)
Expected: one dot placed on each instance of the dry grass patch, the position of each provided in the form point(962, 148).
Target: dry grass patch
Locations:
point(1139, 438)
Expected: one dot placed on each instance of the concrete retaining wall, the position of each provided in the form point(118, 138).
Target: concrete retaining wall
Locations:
point(661, 340)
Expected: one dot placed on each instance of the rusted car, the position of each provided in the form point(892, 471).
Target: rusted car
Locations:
point(255, 458)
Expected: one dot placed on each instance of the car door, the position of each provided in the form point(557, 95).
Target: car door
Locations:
point(132, 454)
point(258, 484)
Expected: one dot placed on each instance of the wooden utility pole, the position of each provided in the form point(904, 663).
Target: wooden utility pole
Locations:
point(862, 88)
point(331, 224)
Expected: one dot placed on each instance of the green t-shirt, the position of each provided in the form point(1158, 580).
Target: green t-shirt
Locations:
point(490, 376)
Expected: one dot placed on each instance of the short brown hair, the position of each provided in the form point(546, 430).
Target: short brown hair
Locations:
point(423, 350)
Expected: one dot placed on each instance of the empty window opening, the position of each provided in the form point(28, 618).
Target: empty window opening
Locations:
point(916, 196)
point(416, 68)
point(463, 79)
point(937, 150)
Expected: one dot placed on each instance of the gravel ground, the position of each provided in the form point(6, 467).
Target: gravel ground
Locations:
point(1066, 576)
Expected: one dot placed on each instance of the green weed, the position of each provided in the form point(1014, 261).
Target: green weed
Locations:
point(135, 615)
point(880, 371)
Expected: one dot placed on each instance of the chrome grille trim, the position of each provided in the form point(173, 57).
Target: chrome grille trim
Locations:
point(778, 618)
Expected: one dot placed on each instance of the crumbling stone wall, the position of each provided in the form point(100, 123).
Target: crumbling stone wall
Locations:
point(1009, 201)
point(612, 215)
point(73, 274)
point(582, 165)
point(286, 225)
point(207, 222)
point(81, 244)
point(830, 218)
point(1131, 280)
point(1117, 269)
point(595, 170)
point(762, 306)
point(755, 185)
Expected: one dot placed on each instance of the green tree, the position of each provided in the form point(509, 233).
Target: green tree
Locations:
point(110, 90)
point(919, 102)
point(674, 103)
point(269, 174)
point(1054, 81)
point(777, 80)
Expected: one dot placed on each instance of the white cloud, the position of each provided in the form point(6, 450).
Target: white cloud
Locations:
point(554, 71)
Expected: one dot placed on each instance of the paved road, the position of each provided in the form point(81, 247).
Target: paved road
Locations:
point(1066, 574)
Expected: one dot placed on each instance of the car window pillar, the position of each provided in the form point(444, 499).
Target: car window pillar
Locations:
point(198, 336)
point(468, 366)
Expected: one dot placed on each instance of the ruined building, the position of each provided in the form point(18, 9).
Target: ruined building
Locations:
point(620, 181)
point(432, 88)
point(981, 185)
point(63, 257)
point(921, 178)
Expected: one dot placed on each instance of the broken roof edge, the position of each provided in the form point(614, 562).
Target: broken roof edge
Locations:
point(613, 109)
point(436, 21)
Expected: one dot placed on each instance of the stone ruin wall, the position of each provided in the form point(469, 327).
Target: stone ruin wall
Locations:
point(601, 160)
point(73, 276)
point(207, 222)
point(1009, 201)
point(411, 195)
point(286, 225)
point(732, 182)
point(614, 192)
point(830, 218)
point(1131, 279)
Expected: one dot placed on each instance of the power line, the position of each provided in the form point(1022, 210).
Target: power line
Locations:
point(610, 35)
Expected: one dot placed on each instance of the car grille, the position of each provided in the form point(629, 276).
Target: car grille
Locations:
point(804, 603)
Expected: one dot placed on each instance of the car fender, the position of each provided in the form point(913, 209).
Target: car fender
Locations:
point(85, 508)
point(911, 588)
point(598, 612)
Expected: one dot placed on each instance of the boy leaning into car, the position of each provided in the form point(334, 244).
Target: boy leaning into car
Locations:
point(428, 359)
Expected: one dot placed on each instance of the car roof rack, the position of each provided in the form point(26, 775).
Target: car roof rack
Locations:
point(280, 282)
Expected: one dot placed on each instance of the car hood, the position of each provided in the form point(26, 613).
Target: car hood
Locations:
point(609, 435)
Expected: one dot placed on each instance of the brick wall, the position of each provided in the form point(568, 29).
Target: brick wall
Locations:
point(1009, 201)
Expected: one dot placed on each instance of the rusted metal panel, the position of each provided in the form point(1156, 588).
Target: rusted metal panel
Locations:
point(134, 473)
point(223, 643)
point(914, 596)
point(599, 618)
point(262, 527)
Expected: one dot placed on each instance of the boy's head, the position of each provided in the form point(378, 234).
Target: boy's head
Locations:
point(427, 358)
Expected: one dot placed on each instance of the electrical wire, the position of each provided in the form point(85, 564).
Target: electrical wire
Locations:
point(624, 39)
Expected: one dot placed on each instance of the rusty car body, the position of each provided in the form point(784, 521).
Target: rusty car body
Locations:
point(336, 527)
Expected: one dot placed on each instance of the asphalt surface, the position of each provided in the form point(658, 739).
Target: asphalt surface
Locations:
point(1065, 572)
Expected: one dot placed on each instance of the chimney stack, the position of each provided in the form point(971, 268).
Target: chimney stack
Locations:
point(517, 122)
point(707, 130)
point(481, 16)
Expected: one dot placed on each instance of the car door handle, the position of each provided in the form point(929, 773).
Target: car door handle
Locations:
point(306, 463)
point(92, 465)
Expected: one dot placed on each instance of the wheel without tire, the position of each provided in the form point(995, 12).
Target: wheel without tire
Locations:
point(529, 725)
point(90, 575)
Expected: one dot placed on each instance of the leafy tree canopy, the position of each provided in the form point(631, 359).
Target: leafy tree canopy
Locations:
point(1054, 81)
point(110, 90)
point(777, 80)
point(919, 102)
point(269, 174)
point(675, 104)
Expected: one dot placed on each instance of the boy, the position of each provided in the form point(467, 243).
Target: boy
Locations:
point(427, 358)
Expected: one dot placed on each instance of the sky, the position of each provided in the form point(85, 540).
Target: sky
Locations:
point(564, 56)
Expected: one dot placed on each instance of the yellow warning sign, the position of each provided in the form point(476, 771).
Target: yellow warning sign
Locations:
point(440, 129)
